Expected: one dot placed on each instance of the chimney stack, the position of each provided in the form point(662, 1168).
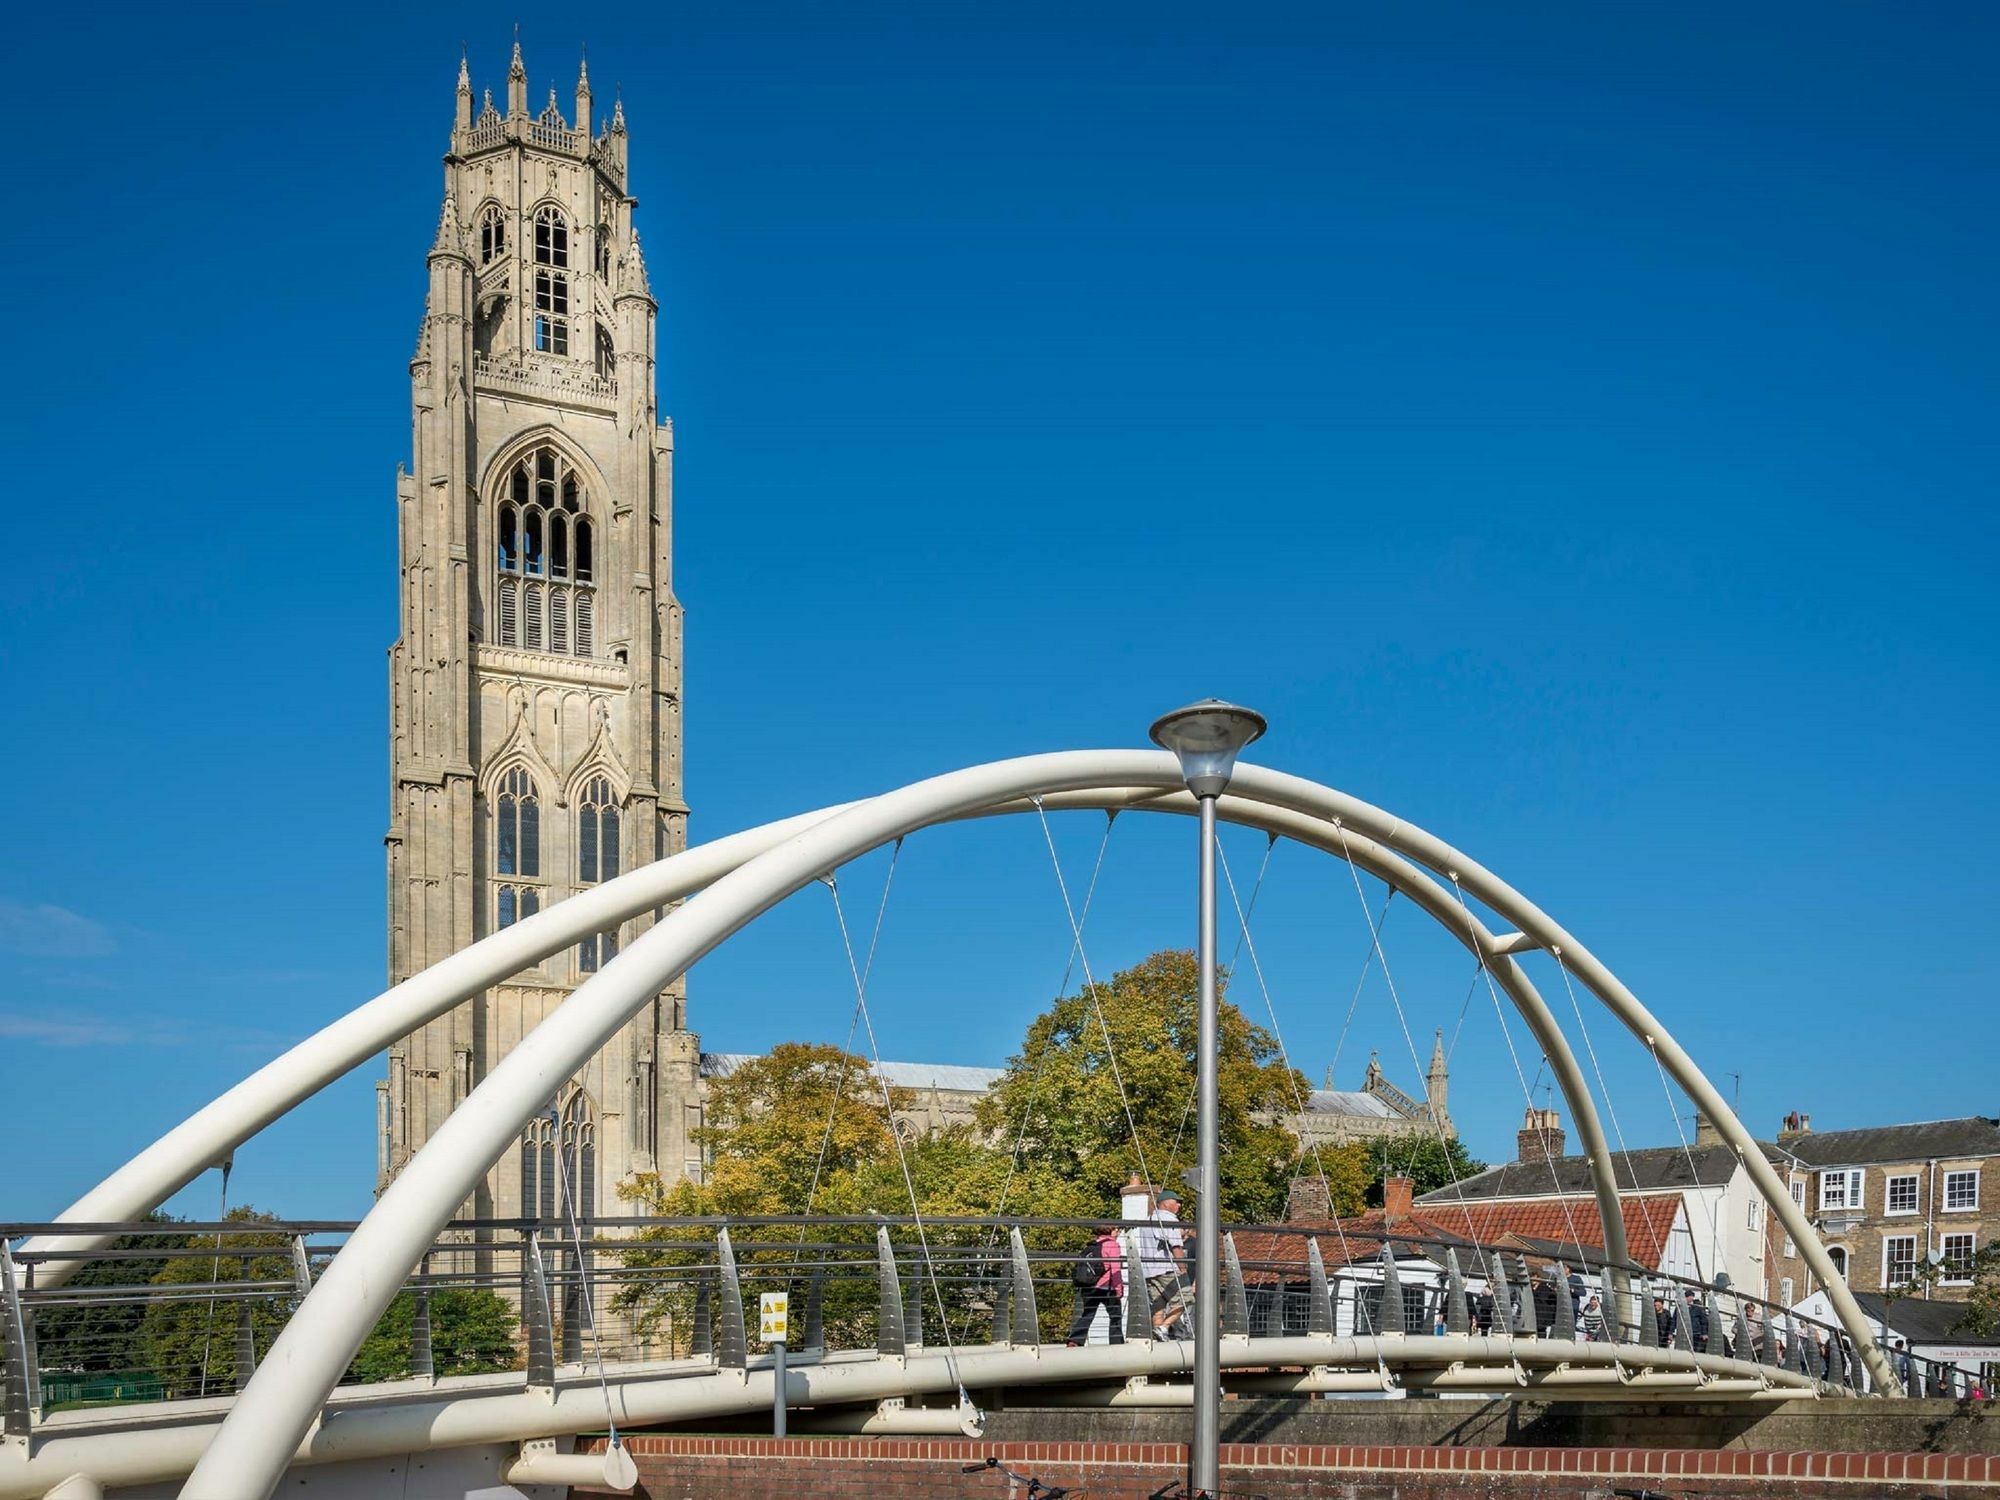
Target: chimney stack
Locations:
point(1795, 1125)
point(1541, 1137)
point(1398, 1198)
point(1706, 1132)
point(1308, 1201)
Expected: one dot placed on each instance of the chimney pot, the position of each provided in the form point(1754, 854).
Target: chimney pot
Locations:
point(1398, 1198)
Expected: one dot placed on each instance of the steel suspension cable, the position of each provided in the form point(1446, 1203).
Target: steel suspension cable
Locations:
point(1096, 1000)
point(1495, 1285)
point(567, 1192)
point(1714, 1223)
point(1590, 1050)
point(1256, 889)
point(853, 1023)
point(1527, 1093)
point(895, 1137)
point(1249, 944)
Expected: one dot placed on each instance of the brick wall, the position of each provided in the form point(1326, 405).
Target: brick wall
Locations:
point(747, 1468)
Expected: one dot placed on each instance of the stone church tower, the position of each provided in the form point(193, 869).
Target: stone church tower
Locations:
point(535, 692)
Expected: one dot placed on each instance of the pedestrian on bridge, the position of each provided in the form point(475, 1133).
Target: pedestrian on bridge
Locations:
point(1697, 1317)
point(1100, 1283)
point(1162, 1259)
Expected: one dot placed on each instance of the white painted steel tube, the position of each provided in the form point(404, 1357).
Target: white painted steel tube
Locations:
point(613, 1469)
point(377, 1424)
point(1495, 893)
point(213, 1132)
point(278, 1407)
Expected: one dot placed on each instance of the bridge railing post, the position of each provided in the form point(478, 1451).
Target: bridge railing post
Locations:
point(1319, 1300)
point(733, 1346)
point(889, 1335)
point(246, 1343)
point(1235, 1303)
point(422, 1363)
point(1138, 1296)
point(1026, 1323)
point(537, 1315)
point(18, 1376)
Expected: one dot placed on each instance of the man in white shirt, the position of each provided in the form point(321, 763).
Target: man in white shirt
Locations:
point(1160, 1250)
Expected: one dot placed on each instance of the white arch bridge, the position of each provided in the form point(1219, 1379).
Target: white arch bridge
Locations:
point(292, 1413)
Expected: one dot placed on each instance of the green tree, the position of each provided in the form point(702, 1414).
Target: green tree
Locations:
point(1981, 1318)
point(1061, 1094)
point(1431, 1164)
point(189, 1337)
point(104, 1335)
point(472, 1333)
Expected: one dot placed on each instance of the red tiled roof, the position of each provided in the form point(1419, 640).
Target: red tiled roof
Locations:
point(1649, 1219)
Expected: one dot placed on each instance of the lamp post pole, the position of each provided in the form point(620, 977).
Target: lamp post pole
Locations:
point(1205, 1477)
point(1206, 738)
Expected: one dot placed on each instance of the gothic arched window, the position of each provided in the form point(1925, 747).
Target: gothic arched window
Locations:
point(603, 245)
point(577, 1140)
point(517, 849)
point(538, 1167)
point(559, 1162)
point(492, 232)
point(607, 356)
point(544, 596)
point(551, 280)
point(517, 821)
point(596, 860)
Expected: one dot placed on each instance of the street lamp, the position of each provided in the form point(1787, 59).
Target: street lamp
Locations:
point(1206, 738)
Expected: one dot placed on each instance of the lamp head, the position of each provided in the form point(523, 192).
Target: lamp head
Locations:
point(1206, 737)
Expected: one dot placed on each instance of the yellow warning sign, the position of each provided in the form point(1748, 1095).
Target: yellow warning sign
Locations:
point(773, 1313)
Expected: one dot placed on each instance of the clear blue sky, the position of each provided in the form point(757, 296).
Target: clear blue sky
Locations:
point(1573, 425)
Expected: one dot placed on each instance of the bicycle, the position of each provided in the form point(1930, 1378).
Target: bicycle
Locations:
point(1036, 1489)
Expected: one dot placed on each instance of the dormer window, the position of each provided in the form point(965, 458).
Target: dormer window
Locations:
point(551, 281)
point(545, 592)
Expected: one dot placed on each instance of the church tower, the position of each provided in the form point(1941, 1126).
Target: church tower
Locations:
point(535, 692)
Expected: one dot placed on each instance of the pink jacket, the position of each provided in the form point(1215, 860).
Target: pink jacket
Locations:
point(1112, 1249)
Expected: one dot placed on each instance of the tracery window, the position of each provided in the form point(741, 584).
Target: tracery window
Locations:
point(546, 595)
point(559, 1162)
point(596, 860)
point(517, 821)
point(551, 280)
point(517, 849)
point(607, 355)
point(492, 233)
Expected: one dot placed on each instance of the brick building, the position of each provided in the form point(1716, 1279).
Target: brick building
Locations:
point(1888, 1197)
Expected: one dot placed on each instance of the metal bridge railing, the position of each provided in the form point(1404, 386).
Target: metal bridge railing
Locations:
point(176, 1311)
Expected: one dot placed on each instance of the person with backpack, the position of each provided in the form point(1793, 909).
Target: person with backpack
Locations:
point(1099, 1278)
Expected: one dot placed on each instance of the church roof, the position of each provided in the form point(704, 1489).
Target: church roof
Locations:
point(955, 1077)
point(1350, 1102)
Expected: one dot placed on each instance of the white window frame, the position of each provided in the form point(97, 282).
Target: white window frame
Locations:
point(1898, 1239)
point(1754, 1215)
point(1797, 1185)
point(1971, 1249)
point(1785, 1289)
point(1889, 1209)
point(1853, 1185)
point(1843, 1262)
point(1947, 1206)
